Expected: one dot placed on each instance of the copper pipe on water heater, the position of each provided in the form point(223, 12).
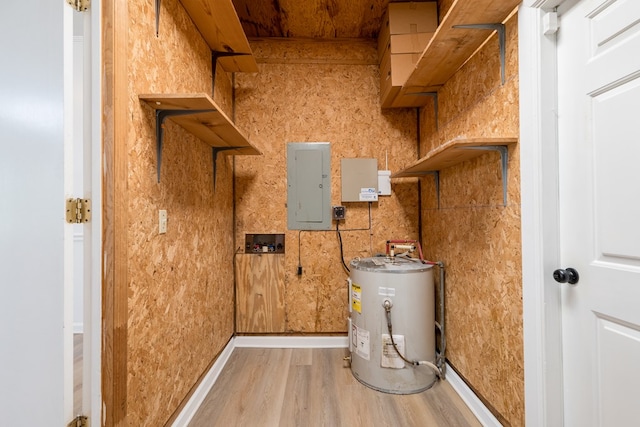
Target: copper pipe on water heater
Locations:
point(392, 244)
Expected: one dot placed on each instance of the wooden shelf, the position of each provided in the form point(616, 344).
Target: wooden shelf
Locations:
point(451, 47)
point(220, 27)
point(204, 119)
point(200, 115)
point(451, 153)
point(457, 151)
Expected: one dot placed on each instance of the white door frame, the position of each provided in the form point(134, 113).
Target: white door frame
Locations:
point(542, 310)
point(92, 371)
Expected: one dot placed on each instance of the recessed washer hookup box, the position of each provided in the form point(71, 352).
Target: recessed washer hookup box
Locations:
point(264, 243)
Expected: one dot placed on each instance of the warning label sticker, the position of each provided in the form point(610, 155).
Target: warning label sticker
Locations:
point(356, 298)
point(361, 343)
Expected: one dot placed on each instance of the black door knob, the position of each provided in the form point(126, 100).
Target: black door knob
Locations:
point(569, 275)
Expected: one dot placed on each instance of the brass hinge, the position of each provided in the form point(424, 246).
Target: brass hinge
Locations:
point(79, 421)
point(78, 210)
point(79, 5)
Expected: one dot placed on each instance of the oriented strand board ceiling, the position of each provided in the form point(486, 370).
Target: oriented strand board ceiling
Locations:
point(323, 19)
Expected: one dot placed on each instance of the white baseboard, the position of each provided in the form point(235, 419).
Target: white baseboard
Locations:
point(481, 412)
point(478, 408)
point(204, 387)
point(78, 327)
point(292, 341)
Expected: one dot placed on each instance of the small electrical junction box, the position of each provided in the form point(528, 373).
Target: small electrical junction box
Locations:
point(338, 212)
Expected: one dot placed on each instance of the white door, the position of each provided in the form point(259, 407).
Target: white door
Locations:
point(599, 169)
point(35, 242)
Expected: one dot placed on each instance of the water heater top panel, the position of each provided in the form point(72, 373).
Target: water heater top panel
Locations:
point(390, 265)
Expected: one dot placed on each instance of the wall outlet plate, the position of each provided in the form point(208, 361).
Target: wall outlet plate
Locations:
point(338, 212)
point(162, 221)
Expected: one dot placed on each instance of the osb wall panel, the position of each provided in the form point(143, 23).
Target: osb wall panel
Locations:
point(313, 92)
point(260, 293)
point(180, 283)
point(477, 238)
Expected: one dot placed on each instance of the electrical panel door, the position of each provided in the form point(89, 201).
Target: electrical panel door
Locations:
point(308, 186)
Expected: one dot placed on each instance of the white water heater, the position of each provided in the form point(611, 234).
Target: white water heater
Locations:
point(405, 286)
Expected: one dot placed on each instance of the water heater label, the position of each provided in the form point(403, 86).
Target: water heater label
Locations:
point(386, 292)
point(356, 297)
point(390, 357)
point(361, 342)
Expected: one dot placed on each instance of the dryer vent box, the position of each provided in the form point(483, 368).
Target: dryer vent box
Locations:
point(359, 180)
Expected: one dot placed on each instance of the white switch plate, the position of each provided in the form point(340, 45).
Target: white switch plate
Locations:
point(162, 221)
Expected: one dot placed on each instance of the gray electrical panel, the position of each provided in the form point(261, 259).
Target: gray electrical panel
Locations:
point(359, 180)
point(308, 186)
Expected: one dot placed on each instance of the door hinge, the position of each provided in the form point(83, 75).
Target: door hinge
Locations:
point(78, 210)
point(79, 5)
point(79, 421)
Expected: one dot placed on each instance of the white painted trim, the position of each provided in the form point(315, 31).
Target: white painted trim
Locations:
point(204, 387)
point(542, 315)
point(78, 327)
point(69, 116)
point(467, 395)
point(92, 392)
point(292, 341)
point(542, 4)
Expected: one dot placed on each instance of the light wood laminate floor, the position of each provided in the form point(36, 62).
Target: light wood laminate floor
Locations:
point(313, 387)
point(77, 373)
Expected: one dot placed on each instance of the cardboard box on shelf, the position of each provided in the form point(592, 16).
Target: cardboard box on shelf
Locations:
point(394, 71)
point(409, 43)
point(410, 17)
point(405, 43)
point(406, 27)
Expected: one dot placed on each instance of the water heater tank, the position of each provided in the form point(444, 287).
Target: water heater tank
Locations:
point(407, 284)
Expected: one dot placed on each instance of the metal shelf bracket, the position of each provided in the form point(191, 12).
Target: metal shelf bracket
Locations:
point(499, 28)
point(161, 115)
point(215, 54)
point(504, 161)
point(158, 18)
